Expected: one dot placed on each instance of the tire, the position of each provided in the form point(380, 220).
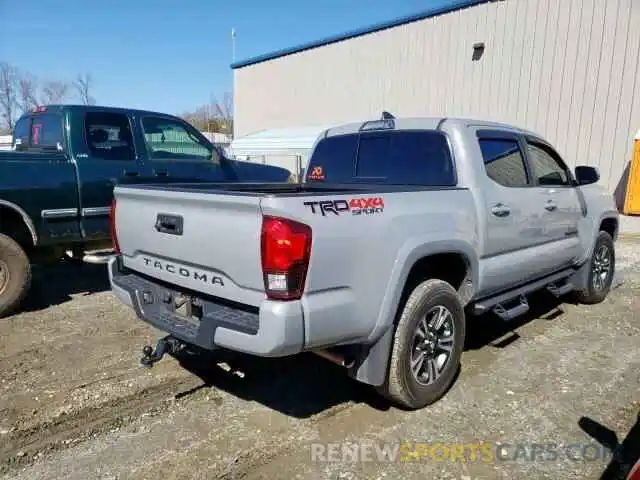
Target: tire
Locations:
point(402, 386)
point(15, 275)
point(596, 292)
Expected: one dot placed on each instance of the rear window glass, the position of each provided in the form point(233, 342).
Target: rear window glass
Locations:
point(332, 160)
point(21, 132)
point(46, 131)
point(399, 157)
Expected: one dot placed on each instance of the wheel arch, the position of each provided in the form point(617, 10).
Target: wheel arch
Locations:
point(412, 266)
point(454, 261)
point(17, 215)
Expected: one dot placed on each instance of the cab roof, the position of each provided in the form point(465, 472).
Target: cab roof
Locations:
point(93, 108)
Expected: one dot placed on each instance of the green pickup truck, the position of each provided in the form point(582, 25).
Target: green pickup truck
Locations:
point(56, 185)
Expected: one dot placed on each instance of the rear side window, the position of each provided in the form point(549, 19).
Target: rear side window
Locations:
point(504, 162)
point(394, 158)
point(46, 132)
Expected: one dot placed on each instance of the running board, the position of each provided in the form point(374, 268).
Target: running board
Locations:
point(507, 313)
point(558, 290)
point(96, 257)
point(487, 304)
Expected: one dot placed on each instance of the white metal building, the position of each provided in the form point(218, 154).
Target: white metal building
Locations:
point(285, 147)
point(5, 142)
point(567, 69)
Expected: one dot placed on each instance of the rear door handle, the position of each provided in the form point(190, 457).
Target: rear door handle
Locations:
point(161, 173)
point(550, 206)
point(500, 210)
point(131, 173)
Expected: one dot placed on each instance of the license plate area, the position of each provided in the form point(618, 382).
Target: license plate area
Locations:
point(193, 318)
point(186, 307)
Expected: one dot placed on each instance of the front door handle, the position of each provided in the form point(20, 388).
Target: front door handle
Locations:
point(500, 210)
point(131, 173)
point(161, 173)
point(550, 206)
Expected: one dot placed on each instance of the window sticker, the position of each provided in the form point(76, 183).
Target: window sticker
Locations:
point(316, 173)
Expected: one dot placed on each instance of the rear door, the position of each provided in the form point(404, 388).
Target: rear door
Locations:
point(514, 234)
point(107, 157)
point(177, 152)
point(558, 200)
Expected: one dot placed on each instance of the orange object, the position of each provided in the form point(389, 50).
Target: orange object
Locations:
point(632, 198)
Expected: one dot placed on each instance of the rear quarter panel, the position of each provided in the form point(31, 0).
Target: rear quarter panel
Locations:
point(598, 205)
point(37, 183)
point(359, 262)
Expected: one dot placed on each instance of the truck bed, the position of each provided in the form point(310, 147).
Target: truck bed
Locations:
point(216, 253)
point(219, 230)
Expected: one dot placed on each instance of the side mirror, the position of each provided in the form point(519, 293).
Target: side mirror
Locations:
point(587, 175)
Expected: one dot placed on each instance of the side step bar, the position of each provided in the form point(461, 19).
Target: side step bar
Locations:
point(98, 258)
point(507, 312)
point(559, 289)
point(512, 304)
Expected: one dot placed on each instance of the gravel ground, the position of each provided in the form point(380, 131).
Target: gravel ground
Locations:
point(75, 404)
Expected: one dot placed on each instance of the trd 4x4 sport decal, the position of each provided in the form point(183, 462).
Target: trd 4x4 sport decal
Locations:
point(357, 206)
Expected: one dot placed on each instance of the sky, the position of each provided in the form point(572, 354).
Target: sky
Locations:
point(165, 55)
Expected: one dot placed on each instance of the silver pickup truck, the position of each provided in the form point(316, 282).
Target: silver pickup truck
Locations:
point(402, 230)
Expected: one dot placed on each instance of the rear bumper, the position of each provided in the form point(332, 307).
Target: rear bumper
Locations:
point(276, 329)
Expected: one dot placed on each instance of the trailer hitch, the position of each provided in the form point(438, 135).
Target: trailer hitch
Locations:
point(167, 345)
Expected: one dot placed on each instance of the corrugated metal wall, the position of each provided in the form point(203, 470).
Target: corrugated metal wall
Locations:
point(567, 69)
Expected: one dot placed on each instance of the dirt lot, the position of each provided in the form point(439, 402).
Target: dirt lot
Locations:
point(75, 404)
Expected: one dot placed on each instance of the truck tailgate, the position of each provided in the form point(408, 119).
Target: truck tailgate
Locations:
point(206, 242)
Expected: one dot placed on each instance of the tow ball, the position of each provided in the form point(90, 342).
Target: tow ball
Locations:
point(167, 345)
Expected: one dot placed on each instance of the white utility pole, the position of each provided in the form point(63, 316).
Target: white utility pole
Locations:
point(233, 44)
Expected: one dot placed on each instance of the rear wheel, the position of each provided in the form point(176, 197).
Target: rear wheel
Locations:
point(15, 275)
point(601, 269)
point(427, 346)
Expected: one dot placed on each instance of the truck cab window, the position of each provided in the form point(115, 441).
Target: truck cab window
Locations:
point(547, 167)
point(419, 157)
point(170, 139)
point(21, 134)
point(406, 158)
point(504, 162)
point(46, 132)
point(108, 136)
point(334, 157)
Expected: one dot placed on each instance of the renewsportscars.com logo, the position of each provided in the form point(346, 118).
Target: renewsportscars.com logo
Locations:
point(357, 206)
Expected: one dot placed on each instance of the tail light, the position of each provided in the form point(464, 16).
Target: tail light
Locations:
point(112, 222)
point(634, 474)
point(285, 250)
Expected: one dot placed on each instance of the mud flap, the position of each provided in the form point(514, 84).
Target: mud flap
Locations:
point(372, 363)
point(580, 279)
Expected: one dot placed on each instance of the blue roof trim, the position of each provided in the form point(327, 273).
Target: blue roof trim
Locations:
point(432, 12)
